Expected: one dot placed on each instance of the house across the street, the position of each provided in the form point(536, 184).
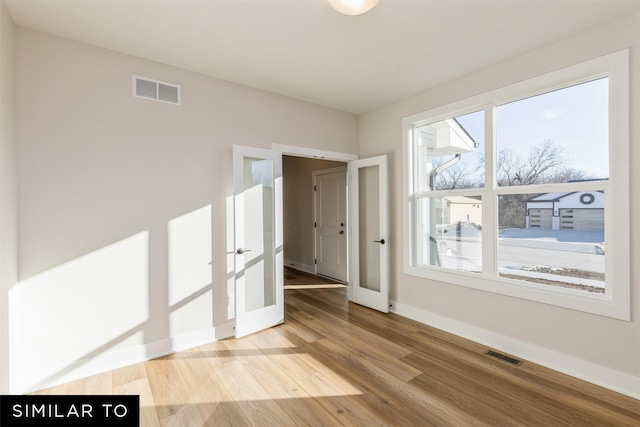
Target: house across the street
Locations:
point(459, 210)
point(579, 210)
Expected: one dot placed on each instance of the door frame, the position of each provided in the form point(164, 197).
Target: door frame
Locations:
point(315, 174)
point(312, 153)
point(295, 151)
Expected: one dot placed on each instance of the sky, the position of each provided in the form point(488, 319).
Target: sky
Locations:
point(575, 118)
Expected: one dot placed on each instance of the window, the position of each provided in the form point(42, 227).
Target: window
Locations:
point(524, 191)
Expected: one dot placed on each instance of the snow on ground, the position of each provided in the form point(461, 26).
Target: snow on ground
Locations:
point(569, 236)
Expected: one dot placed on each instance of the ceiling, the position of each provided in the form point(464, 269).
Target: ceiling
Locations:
point(305, 50)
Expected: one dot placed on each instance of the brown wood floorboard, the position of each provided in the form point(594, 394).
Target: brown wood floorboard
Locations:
point(335, 363)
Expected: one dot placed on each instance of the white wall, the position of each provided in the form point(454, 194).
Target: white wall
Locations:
point(602, 350)
point(298, 208)
point(8, 187)
point(572, 201)
point(123, 203)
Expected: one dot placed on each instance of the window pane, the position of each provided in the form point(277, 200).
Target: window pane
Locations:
point(450, 233)
point(450, 153)
point(559, 136)
point(554, 239)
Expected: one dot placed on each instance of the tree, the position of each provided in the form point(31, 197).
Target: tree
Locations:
point(511, 210)
point(455, 177)
point(544, 160)
point(545, 163)
point(569, 174)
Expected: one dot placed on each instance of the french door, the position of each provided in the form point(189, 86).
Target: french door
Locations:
point(259, 274)
point(369, 242)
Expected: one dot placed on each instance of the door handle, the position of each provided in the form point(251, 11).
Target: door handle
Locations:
point(381, 241)
point(240, 251)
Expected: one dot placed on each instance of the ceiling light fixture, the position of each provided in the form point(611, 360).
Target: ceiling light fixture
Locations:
point(353, 7)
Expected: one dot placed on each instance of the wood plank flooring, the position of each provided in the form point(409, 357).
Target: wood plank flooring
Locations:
point(295, 279)
point(333, 363)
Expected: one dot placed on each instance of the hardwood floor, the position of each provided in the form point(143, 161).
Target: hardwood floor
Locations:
point(296, 279)
point(334, 363)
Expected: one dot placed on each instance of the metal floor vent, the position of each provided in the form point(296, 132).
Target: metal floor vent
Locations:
point(501, 356)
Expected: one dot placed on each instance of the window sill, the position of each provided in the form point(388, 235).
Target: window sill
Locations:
point(602, 305)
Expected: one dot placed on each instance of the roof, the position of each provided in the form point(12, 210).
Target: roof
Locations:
point(554, 197)
point(550, 197)
point(464, 200)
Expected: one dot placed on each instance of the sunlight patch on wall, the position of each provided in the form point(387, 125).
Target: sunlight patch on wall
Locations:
point(190, 278)
point(80, 309)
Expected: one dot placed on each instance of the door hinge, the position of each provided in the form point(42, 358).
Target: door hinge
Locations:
point(315, 225)
point(315, 261)
point(314, 188)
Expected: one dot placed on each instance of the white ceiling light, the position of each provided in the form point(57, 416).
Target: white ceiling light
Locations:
point(353, 7)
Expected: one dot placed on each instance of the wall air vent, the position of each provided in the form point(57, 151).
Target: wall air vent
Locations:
point(143, 87)
point(504, 357)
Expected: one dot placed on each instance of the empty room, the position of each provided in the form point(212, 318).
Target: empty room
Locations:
point(320, 212)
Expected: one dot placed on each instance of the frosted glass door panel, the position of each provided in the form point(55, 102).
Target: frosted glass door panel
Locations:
point(369, 225)
point(259, 233)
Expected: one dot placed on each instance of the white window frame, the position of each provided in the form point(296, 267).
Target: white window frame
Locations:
point(615, 302)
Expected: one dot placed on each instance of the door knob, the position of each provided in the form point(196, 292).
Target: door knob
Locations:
point(240, 251)
point(381, 241)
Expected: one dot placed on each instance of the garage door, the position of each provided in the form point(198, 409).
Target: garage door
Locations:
point(540, 218)
point(582, 219)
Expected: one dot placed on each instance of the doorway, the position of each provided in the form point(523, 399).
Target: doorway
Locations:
point(259, 211)
point(300, 217)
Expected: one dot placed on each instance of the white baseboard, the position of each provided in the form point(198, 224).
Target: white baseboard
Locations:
point(596, 374)
point(225, 331)
point(299, 266)
point(49, 376)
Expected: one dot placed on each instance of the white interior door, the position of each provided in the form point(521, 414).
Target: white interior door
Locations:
point(259, 274)
point(331, 223)
point(369, 226)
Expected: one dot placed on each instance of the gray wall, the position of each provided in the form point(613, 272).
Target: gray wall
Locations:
point(111, 185)
point(8, 187)
point(590, 346)
point(124, 202)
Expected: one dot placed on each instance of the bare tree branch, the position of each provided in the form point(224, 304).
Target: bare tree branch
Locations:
point(544, 161)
